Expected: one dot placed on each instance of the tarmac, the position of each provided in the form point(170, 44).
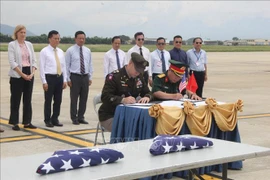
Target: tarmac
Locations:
point(231, 76)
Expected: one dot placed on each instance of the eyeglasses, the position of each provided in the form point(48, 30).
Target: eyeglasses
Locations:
point(140, 39)
point(198, 42)
point(161, 44)
point(178, 42)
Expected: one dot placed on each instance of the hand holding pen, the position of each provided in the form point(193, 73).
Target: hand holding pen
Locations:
point(129, 100)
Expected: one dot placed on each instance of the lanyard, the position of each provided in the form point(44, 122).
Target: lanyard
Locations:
point(198, 57)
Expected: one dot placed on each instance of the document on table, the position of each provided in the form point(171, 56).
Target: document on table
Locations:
point(140, 104)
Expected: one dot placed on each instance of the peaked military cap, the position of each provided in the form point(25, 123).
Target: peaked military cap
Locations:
point(177, 67)
point(139, 62)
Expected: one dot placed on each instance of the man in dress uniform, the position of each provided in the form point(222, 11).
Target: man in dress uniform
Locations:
point(166, 85)
point(124, 86)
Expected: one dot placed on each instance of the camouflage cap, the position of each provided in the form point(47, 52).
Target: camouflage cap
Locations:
point(139, 62)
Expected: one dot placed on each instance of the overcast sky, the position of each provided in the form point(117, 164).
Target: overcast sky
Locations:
point(215, 20)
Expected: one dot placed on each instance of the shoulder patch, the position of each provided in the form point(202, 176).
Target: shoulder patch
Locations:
point(115, 71)
point(161, 75)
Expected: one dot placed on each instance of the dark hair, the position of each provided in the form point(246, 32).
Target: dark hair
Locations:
point(197, 38)
point(51, 33)
point(161, 38)
point(138, 34)
point(79, 32)
point(116, 37)
point(177, 36)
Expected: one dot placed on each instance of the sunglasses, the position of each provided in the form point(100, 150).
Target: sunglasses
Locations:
point(198, 42)
point(161, 44)
point(178, 42)
point(140, 39)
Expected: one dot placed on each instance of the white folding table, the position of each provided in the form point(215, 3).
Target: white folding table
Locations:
point(137, 162)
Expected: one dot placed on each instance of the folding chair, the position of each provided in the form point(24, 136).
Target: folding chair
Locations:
point(96, 101)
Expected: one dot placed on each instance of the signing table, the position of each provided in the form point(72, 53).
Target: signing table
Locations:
point(137, 161)
point(134, 123)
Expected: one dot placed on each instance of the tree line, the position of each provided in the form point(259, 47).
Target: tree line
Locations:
point(43, 38)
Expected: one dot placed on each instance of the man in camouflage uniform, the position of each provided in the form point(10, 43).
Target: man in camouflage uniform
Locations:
point(166, 86)
point(123, 86)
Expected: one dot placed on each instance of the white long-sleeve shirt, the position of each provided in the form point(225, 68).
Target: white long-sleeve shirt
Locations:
point(146, 55)
point(47, 63)
point(156, 62)
point(110, 61)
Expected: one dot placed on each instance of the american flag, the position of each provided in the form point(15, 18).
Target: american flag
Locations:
point(163, 144)
point(78, 158)
point(183, 84)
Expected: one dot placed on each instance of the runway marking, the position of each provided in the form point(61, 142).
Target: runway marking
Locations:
point(20, 138)
point(66, 137)
point(81, 132)
point(56, 135)
point(253, 116)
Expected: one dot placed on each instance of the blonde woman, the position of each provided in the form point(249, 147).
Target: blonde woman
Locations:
point(22, 62)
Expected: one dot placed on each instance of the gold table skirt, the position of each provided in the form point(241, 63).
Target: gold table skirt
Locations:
point(170, 119)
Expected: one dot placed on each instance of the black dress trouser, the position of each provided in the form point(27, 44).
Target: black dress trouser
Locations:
point(199, 76)
point(18, 88)
point(79, 90)
point(54, 92)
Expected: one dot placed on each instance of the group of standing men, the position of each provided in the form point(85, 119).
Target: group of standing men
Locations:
point(127, 82)
point(126, 75)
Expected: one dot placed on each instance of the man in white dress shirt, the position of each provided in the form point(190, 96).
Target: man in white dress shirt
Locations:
point(79, 77)
point(115, 58)
point(140, 49)
point(53, 76)
point(160, 58)
point(197, 61)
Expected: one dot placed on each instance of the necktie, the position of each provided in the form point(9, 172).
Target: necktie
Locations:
point(58, 66)
point(163, 62)
point(82, 61)
point(118, 61)
point(141, 51)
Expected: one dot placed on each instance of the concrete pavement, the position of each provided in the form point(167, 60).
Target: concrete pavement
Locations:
point(231, 76)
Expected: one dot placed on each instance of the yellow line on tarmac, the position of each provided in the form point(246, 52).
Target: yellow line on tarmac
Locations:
point(254, 116)
point(81, 132)
point(12, 139)
point(55, 135)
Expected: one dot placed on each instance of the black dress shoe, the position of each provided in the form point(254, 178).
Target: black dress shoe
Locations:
point(83, 121)
point(57, 124)
point(30, 126)
point(16, 128)
point(75, 122)
point(49, 124)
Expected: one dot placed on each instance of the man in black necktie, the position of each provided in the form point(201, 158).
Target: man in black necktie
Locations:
point(79, 75)
point(143, 51)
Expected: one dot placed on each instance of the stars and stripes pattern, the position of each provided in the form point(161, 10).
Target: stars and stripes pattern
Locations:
point(163, 144)
point(65, 160)
point(183, 84)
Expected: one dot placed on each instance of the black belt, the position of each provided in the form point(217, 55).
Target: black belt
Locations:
point(53, 75)
point(82, 75)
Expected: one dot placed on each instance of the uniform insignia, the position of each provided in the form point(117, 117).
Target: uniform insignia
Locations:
point(139, 83)
point(166, 79)
point(115, 71)
point(166, 87)
point(161, 75)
